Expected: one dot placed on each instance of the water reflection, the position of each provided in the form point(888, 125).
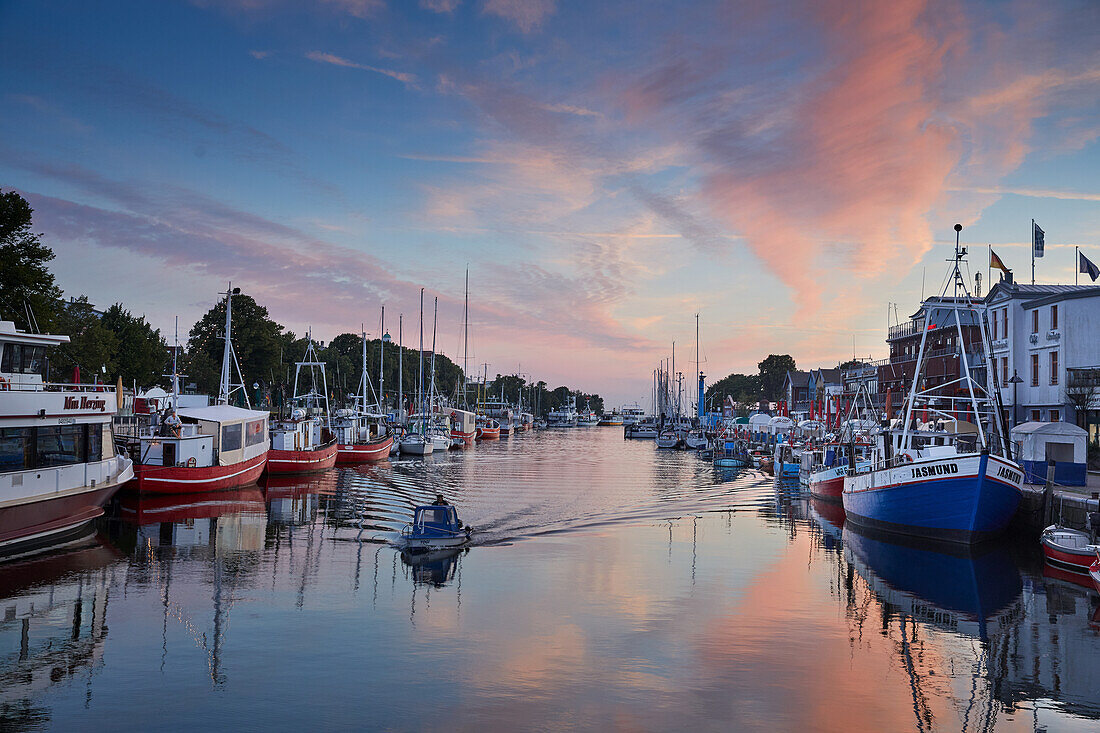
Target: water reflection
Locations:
point(613, 586)
point(52, 625)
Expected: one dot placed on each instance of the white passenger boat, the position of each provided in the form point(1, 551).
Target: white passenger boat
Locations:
point(58, 464)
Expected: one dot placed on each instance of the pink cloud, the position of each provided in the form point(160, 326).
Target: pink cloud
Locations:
point(328, 58)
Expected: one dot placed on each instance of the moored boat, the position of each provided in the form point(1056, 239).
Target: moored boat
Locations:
point(1068, 549)
point(487, 429)
point(303, 442)
point(463, 425)
point(958, 485)
point(362, 435)
point(58, 463)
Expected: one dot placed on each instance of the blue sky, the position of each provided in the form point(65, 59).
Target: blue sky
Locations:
point(606, 171)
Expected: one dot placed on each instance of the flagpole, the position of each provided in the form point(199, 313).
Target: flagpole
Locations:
point(1076, 263)
point(1032, 251)
point(989, 268)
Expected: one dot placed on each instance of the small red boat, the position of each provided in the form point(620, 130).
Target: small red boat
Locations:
point(314, 460)
point(153, 479)
point(464, 425)
point(1068, 549)
point(364, 452)
point(488, 430)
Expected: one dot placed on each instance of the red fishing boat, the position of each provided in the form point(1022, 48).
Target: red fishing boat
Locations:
point(185, 450)
point(487, 429)
point(304, 442)
point(362, 435)
point(464, 426)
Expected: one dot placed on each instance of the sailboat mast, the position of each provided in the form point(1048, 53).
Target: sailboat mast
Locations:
point(175, 372)
point(400, 367)
point(465, 339)
point(698, 373)
point(420, 364)
point(435, 321)
point(381, 357)
point(363, 379)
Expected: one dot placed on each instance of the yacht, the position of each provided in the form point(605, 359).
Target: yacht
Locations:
point(58, 463)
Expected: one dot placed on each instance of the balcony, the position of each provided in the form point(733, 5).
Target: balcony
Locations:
point(905, 329)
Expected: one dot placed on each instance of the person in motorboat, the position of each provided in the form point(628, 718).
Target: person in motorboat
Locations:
point(435, 526)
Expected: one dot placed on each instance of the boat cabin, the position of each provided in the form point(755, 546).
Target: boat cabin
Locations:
point(298, 433)
point(436, 518)
point(463, 422)
point(219, 435)
point(352, 427)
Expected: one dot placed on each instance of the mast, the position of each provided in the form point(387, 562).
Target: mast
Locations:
point(420, 366)
point(435, 320)
point(229, 357)
point(400, 368)
point(363, 379)
point(175, 372)
point(465, 339)
point(381, 358)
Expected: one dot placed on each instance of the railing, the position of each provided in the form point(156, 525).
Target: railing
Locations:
point(904, 329)
point(16, 386)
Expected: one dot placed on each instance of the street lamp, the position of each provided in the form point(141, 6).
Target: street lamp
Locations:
point(1014, 381)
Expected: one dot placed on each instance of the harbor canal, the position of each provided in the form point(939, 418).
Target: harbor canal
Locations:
point(609, 586)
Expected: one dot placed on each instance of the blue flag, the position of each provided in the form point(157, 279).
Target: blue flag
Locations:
point(1088, 267)
point(1037, 241)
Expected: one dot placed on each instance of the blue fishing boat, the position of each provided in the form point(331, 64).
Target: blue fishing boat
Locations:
point(732, 453)
point(938, 474)
point(435, 526)
point(788, 460)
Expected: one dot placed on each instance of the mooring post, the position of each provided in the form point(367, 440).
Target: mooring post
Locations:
point(1048, 495)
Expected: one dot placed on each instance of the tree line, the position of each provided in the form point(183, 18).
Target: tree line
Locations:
point(116, 343)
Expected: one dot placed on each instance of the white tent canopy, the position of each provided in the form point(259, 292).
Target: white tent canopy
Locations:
point(1068, 443)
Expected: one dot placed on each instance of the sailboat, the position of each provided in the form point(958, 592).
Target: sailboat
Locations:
point(361, 433)
point(205, 448)
point(416, 441)
point(438, 421)
point(958, 484)
point(303, 442)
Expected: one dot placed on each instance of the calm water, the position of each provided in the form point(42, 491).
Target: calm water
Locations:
point(611, 586)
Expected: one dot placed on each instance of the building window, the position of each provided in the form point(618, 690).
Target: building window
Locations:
point(1054, 367)
point(1054, 316)
point(1035, 321)
point(1004, 370)
point(1034, 370)
point(1036, 416)
point(994, 326)
point(1004, 323)
point(1055, 416)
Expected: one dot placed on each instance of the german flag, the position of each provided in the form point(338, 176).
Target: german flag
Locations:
point(995, 261)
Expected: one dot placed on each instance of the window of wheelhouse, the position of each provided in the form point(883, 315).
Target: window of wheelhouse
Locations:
point(254, 432)
point(21, 359)
point(231, 437)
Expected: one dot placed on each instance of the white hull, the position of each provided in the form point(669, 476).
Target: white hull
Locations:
point(416, 447)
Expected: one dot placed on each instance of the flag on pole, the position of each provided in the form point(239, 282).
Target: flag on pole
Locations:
point(1037, 241)
point(1088, 267)
point(995, 261)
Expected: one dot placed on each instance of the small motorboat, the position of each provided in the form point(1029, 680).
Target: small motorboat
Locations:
point(416, 444)
point(695, 440)
point(435, 526)
point(1068, 549)
point(668, 439)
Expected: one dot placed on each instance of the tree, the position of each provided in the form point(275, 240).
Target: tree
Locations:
point(741, 387)
point(1082, 390)
point(92, 346)
point(25, 280)
point(141, 355)
point(773, 370)
point(261, 345)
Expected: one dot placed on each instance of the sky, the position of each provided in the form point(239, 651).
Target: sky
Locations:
point(789, 170)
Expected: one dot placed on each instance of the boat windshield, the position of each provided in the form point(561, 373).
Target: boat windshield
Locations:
point(440, 516)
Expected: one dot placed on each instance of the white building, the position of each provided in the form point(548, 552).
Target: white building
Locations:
point(1039, 332)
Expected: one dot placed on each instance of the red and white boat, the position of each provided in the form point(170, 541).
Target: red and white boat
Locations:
point(464, 425)
point(58, 464)
point(1094, 572)
point(1068, 549)
point(362, 435)
point(303, 442)
point(487, 429)
point(193, 449)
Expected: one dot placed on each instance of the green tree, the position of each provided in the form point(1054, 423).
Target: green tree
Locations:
point(91, 345)
point(141, 355)
point(262, 345)
point(25, 280)
point(741, 387)
point(773, 370)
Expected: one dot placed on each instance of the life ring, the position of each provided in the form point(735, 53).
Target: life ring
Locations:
point(454, 414)
point(191, 462)
point(3, 384)
point(906, 458)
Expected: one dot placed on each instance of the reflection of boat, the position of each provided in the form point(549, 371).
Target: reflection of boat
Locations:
point(53, 628)
point(829, 516)
point(433, 567)
point(178, 508)
point(435, 526)
point(1067, 549)
point(943, 584)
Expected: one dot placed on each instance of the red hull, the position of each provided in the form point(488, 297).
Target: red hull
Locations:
point(1077, 562)
point(364, 452)
point(829, 490)
point(468, 437)
point(38, 523)
point(488, 433)
point(302, 461)
point(184, 480)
